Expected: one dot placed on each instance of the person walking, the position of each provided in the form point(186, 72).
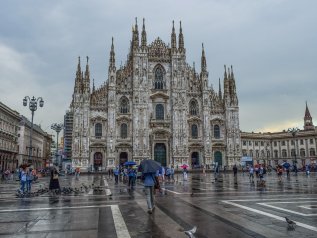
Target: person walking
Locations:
point(77, 173)
point(235, 172)
point(279, 173)
point(22, 179)
point(149, 182)
point(116, 174)
point(251, 174)
point(54, 182)
point(172, 173)
point(29, 179)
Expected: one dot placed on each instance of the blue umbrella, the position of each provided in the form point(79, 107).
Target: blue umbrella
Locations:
point(286, 165)
point(130, 163)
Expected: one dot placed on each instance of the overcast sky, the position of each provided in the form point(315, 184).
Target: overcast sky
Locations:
point(272, 45)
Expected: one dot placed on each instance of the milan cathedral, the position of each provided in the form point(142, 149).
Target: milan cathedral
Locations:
point(156, 106)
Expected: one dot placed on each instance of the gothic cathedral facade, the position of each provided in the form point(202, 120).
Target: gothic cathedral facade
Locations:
point(156, 106)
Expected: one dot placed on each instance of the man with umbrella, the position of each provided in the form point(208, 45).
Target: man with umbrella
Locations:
point(287, 166)
point(149, 168)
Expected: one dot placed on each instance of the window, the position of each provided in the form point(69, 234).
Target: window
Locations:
point(284, 153)
point(159, 78)
point(194, 131)
point(256, 143)
point(301, 141)
point(124, 105)
point(251, 153)
point(302, 152)
point(216, 132)
point(311, 141)
point(257, 154)
point(292, 152)
point(275, 154)
point(98, 130)
point(250, 142)
point(124, 131)
point(262, 143)
point(292, 142)
point(193, 108)
point(244, 142)
point(159, 112)
point(275, 143)
point(312, 152)
point(244, 153)
point(283, 143)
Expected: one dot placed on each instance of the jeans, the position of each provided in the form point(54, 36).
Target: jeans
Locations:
point(22, 186)
point(116, 176)
point(149, 196)
point(28, 185)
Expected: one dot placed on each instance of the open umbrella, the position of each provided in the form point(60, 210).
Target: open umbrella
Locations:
point(149, 166)
point(184, 166)
point(286, 165)
point(129, 163)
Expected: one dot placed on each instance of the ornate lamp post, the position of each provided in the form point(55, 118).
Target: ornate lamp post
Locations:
point(294, 131)
point(57, 127)
point(33, 107)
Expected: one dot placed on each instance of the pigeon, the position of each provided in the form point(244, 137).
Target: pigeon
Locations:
point(192, 194)
point(190, 233)
point(290, 223)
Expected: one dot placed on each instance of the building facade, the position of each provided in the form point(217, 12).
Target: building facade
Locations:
point(68, 132)
point(9, 123)
point(275, 148)
point(41, 143)
point(155, 106)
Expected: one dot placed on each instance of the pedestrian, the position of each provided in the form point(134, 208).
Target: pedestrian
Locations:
point(235, 171)
point(116, 173)
point(185, 174)
point(23, 173)
point(251, 174)
point(150, 180)
point(29, 179)
point(163, 173)
point(279, 173)
point(307, 169)
point(54, 182)
point(77, 173)
point(295, 168)
point(204, 170)
point(132, 176)
point(172, 173)
point(216, 170)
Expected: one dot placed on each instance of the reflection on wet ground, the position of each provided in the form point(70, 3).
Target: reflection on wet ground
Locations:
point(221, 208)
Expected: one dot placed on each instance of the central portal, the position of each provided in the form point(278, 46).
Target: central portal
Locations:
point(160, 153)
point(123, 158)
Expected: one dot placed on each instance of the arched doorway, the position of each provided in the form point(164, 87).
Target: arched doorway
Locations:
point(195, 160)
point(160, 153)
point(97, 160)
point(123, 158)
point(218, 158)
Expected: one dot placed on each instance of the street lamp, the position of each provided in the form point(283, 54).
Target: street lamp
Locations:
point(57, 127)
point(294, 131)
point(33, 107)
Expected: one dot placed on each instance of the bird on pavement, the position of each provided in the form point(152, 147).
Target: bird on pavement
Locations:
point(192, 194)
point(290, 223)
point(190, 233)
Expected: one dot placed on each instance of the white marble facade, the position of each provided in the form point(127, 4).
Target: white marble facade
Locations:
point(155, 106)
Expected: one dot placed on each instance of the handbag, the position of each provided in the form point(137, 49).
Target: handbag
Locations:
point(55, 176)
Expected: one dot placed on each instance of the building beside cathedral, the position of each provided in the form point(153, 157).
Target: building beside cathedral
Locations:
point(297, 146)
point(155, 106)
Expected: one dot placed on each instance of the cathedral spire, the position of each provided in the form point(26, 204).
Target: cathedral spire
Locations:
point(308, 120)
point(220, 93)
point(143, 40)
point(93, 85)
point(136, 35)
point(203, 60)
point(87, 73)
point(78, 73)
point(78, 79)
point(112, 60)
point(180, 38)
point(225, 73)
point(173, 38)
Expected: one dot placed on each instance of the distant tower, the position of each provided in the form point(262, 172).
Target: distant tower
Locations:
point(308, 120)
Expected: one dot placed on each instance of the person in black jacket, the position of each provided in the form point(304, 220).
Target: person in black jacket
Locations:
point(54, 182)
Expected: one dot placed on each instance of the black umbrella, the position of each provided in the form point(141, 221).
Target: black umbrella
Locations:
point(150, 166)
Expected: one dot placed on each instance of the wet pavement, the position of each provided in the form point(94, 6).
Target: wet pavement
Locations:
point(218, 208)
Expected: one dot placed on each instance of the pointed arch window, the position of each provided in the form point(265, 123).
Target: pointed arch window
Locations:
point(193, 108)
point(124, 105)
point(194, 131)
point(216, 131)
point(124, 130)
point(98, 130)
point(159, 78)
point(159, 112)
